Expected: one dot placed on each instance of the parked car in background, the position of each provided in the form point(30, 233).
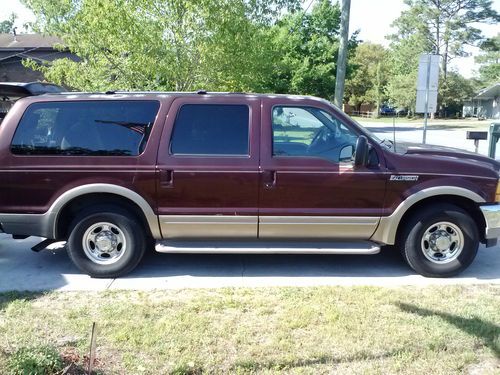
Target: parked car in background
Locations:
point(386, 110)
point(115, 174)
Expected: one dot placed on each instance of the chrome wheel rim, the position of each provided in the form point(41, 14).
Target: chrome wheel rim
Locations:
point(104, 243)
point(442, 242)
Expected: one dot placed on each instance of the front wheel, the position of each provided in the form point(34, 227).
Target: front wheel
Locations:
point(440, 241)
point(106, 242)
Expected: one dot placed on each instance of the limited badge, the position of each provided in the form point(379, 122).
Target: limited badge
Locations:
point(403, 178)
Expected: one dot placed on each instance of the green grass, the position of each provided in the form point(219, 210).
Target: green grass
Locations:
point(321, 330)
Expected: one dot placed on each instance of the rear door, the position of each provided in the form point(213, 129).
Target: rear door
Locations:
point(208, 164)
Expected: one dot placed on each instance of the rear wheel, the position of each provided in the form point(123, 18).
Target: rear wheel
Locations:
point(440, 241)
point(106, 242)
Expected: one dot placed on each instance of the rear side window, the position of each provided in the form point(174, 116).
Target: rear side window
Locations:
point(96, 128)
point(211, 129)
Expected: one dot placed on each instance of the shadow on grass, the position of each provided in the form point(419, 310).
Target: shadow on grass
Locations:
point(487, 332)
point(7, 298)
point(284, 364)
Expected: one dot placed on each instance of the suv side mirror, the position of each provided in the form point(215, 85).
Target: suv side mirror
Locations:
point(361, 151)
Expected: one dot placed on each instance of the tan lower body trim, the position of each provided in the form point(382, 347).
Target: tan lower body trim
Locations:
point(208, 226)
point(270, 227)
point(329, 227)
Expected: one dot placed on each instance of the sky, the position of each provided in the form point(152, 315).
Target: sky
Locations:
point(372, 17)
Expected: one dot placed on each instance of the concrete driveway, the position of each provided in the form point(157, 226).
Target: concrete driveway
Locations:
point(22, 269)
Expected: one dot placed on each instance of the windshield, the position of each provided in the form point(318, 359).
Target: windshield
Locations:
point(384, 142)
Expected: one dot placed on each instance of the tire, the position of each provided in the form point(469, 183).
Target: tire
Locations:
point(439, 241)
point(106, 242)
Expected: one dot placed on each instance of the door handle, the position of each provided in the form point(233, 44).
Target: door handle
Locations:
point(166, 178)
point(269, 179)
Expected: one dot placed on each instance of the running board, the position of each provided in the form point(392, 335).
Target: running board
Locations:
point(257, 247)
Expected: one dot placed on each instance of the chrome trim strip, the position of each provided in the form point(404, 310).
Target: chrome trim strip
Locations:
point(388, 227)
point(208, 226)
point(332, 227)
point(491, 215)
point(261, 247)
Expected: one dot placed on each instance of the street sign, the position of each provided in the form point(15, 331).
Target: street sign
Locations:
point(432, 104)
point(427, 87)
point(427, 80)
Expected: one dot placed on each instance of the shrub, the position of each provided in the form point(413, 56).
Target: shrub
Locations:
point(40, 360)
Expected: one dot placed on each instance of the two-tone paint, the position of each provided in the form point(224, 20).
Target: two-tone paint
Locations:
point(255, 196)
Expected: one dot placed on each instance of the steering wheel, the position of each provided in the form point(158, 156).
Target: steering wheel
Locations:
point(320, 134)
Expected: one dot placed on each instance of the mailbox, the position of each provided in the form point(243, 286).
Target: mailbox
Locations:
point(477, 136)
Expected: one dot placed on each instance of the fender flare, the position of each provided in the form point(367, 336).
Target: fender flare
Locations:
point(388, 227)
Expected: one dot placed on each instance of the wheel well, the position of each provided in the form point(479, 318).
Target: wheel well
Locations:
point(76, 205)
point(466, 204)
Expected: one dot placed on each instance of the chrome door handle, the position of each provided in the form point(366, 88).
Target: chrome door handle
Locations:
point(166, 178)
point(269, 179)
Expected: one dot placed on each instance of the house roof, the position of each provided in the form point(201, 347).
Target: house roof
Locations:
point(27, 41)
point(489, 92)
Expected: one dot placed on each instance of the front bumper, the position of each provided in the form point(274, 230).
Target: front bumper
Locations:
point(491, 213)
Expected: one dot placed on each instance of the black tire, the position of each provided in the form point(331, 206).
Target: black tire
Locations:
point(129, 230)
point(413, 243)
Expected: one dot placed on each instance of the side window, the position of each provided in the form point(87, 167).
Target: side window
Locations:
point(104, 128)
point(211, 129)
point(309, 131)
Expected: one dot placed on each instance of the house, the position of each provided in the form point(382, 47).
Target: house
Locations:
point(16, 48)
point(485, 104)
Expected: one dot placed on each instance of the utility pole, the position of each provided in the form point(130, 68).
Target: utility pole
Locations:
point(342, 60)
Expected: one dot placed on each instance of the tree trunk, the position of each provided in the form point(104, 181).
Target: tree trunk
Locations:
point(342, 60)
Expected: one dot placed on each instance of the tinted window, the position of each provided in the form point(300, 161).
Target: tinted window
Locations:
point(209, 129)
point(85, 128)
point(308, 131)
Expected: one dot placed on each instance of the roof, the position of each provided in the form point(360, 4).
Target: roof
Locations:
point(163, 94)
point(28, 41)
point(489, 92)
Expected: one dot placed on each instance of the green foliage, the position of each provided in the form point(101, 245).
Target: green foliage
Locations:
point(403, 68)
point(446, 26)
point(489, 60)
point(35, 361)
point(305, 47)
point(6, 25)
point(370, 75)
point(160, 44)
point(454, 91)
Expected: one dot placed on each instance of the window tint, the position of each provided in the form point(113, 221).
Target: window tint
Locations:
point(308, 131)
point(211, 129)
point(108, 128)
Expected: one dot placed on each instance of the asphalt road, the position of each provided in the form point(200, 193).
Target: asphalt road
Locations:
point(21, 269)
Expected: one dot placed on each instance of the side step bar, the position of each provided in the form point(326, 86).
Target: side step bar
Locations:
point(258, 247)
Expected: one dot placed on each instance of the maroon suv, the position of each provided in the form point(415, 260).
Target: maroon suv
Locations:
point(113, 174)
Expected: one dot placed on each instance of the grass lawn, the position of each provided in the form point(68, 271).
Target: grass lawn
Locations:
point(320, 330)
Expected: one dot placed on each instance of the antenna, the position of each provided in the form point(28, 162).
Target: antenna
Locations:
point(394, 132)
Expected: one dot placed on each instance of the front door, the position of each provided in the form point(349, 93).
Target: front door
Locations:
point(208, 168)
point(309, 187)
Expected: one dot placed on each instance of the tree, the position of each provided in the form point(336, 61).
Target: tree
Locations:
point(305, 50)
point(160, 44)
point(454, 91)
point(7, 25)
point(403, 66)
point(446, 25)
point(489, 59)
point(370, 75)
